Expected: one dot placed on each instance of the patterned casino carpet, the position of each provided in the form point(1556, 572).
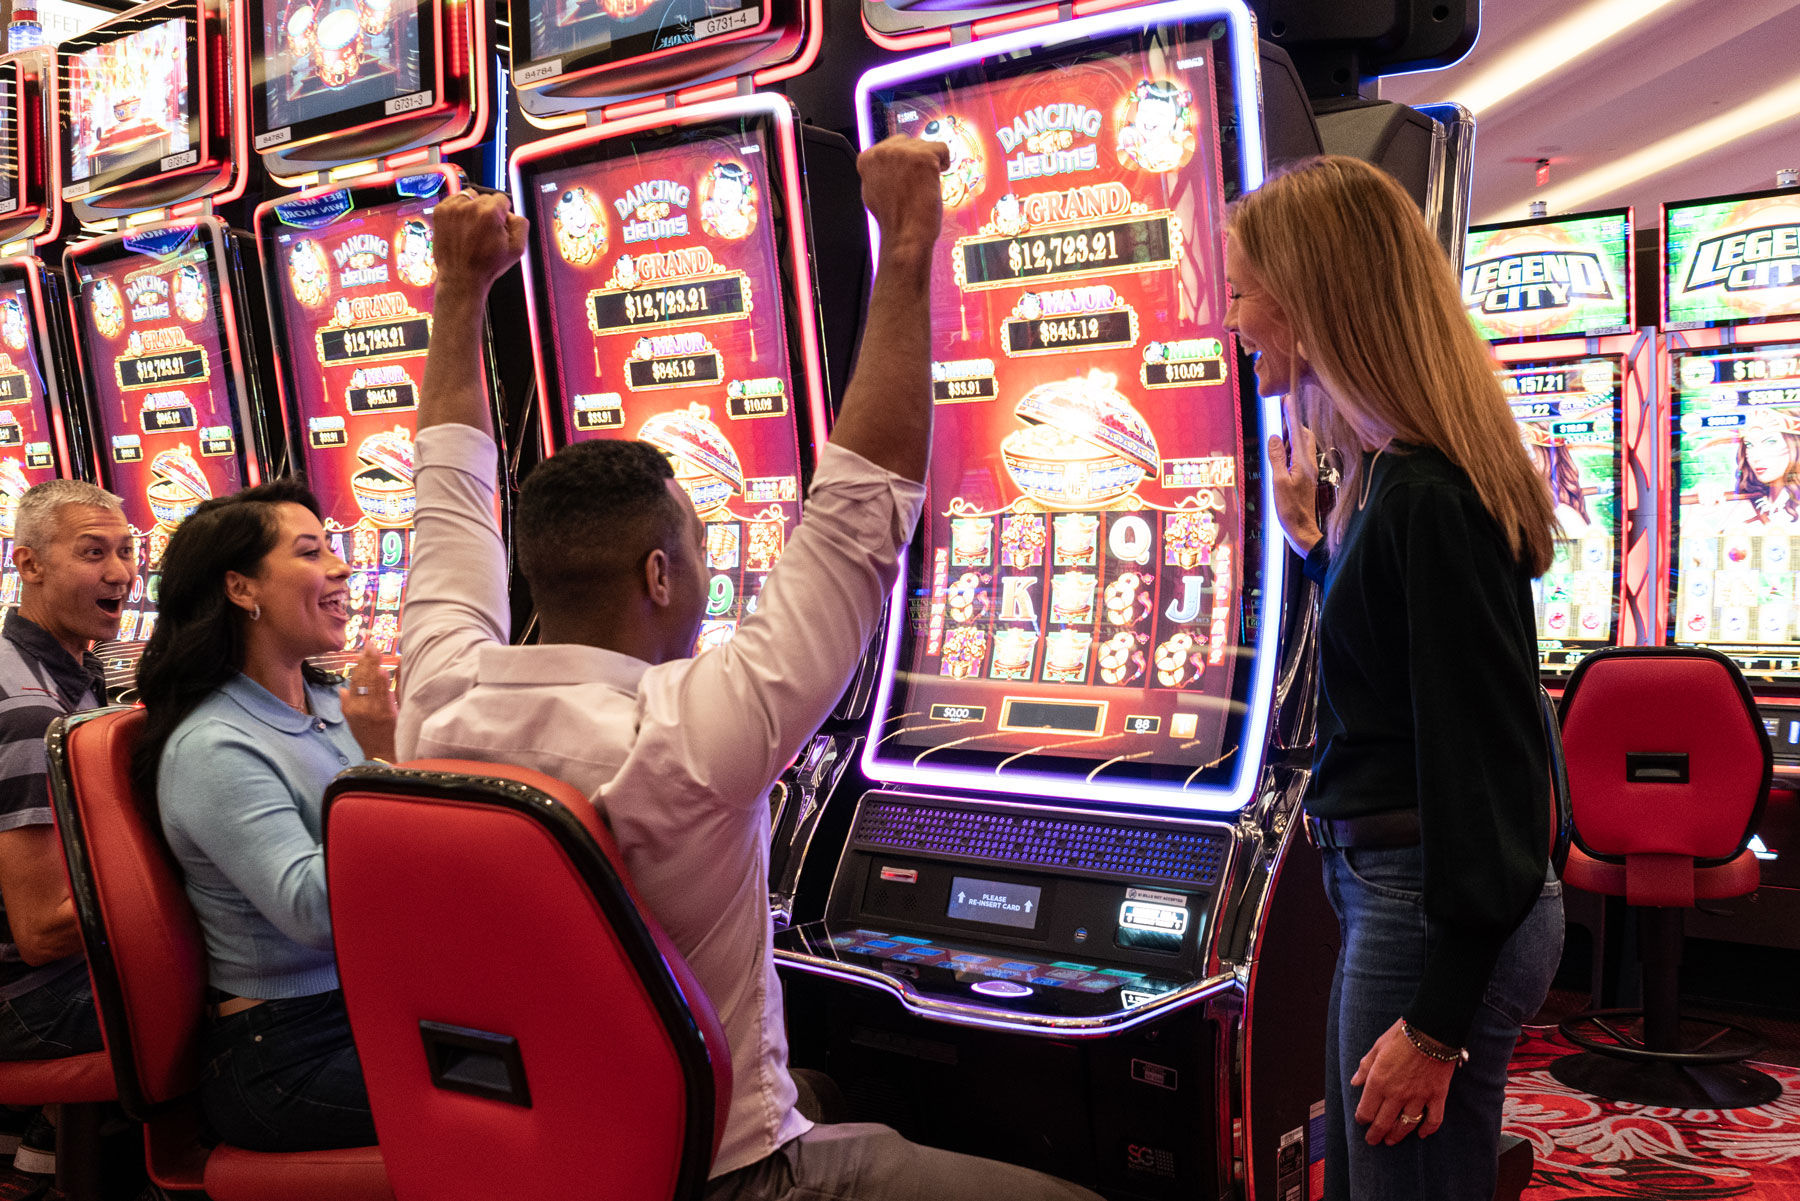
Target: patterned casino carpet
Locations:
point(1593, 1150)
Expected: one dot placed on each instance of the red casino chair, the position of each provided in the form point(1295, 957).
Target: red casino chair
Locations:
point(1668, 768)
point(149, 970)
point(525, 1028)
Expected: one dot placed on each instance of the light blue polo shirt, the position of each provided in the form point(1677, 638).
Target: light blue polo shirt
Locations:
point(241, 790)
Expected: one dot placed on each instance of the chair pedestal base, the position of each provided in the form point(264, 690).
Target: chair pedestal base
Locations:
point(1667, 1085)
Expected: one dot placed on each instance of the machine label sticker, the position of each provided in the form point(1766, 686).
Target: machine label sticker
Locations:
point(1155, 897)
point(275, 137)
point(408, 104)
point(537, 73)
point(186, 158)
point(1155, 1074)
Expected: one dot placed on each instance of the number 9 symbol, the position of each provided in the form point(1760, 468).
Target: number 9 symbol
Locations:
point(719, 596)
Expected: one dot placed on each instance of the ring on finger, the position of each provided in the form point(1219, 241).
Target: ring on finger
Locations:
point(1410, 1121)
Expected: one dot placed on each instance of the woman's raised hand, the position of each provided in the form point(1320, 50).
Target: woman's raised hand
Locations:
point(1294, 472)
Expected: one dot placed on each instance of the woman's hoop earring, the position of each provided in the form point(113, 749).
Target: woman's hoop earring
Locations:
point(256, 613)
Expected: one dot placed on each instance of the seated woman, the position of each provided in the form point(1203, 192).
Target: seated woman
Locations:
point(242, 737)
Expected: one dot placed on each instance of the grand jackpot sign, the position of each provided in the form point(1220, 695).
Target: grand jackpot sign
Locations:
point(1731, 258)
point(1566, 277)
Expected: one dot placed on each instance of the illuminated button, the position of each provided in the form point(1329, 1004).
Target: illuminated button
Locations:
point(1001, 988)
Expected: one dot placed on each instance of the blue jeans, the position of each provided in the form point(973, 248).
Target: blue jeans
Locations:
point(1379, 899)
point(283, 1076)
point(54, 1020)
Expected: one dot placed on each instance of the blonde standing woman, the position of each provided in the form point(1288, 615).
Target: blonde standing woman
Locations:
point(1429, 797)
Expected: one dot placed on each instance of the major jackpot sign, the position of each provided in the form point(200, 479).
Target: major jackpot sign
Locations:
point(1734, 258)
point(1567, 277)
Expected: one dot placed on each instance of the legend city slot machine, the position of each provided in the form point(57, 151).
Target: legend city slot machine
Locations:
point(663, 283)
point(170, 427)
point(350, 276)
point(1735, 457)
point(1568, 415)
point(1731, 259)
point(1084, 545)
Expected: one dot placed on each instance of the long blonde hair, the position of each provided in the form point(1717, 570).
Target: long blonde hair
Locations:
point(1377, 312)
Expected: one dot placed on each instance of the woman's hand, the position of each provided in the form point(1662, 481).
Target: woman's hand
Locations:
point(368, 702)
point(1296, 483)
point(1397, 1079)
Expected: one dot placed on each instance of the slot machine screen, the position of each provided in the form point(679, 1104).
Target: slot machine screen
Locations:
point(27, 437)
point(353, 274)
point(12, 114)
point(664, 311)
point(1735, 460)
point(130, 98)
point(326, 65)
point(167, 427)
point(1731, 258)
point(1569, 419)
point(1080, 613)
point(580, 34)
point(1565, 277)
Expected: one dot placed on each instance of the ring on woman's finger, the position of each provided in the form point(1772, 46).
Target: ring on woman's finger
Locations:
point(1409, 1121)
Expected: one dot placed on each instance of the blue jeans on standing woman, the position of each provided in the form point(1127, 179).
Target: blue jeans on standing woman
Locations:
point(284, 1076)
point(1379, 899)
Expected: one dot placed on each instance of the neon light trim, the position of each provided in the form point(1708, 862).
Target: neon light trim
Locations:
point(1238, 793)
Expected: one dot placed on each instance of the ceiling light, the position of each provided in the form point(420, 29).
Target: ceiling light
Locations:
point(1550, 49)
point(1778, 104)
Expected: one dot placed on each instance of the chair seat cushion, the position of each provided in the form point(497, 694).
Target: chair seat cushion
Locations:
point(76, 1080)
point(1735, 878)
point(350, 1174)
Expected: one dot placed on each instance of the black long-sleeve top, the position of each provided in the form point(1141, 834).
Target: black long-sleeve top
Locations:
point(1428, 698)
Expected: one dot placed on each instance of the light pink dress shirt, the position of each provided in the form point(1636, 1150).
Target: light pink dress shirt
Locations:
point(678, 757)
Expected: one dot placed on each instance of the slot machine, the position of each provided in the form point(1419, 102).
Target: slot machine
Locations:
point(1071, 899)
point(1731, 513)
point(359, 103)
point(1553, 295)
point(38, 441)
point(166, 318)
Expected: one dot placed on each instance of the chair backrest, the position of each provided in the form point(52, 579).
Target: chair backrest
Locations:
point(1562, 820)
point(1666, 754)
point(525, 1028)
point(144, 947)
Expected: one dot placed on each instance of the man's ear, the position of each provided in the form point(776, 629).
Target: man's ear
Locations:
point(31, 568)
point(657, 581)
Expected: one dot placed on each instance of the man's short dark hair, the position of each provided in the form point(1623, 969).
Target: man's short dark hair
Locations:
point(588, 516)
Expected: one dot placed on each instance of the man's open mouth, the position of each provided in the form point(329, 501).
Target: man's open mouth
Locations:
point(111, 605)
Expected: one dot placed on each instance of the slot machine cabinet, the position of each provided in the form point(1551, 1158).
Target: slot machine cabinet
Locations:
point(1554, 298)
point(672, 299)
point(37, 441)
point(350, 277)
point(1072, 888)
point(571, 59)
point(356, 106)
point(1728, 431)
point(165, 319)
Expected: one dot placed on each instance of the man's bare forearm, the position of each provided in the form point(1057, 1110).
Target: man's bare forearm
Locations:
point(454, 391)
point(886, 415)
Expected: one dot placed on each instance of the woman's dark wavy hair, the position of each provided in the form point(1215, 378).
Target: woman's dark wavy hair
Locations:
point(199, 639)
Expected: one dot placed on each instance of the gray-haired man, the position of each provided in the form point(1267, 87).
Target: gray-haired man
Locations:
point(76, 558)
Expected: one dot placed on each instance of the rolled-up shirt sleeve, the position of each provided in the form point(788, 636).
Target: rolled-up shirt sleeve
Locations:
point(734, 718)
point(456, 601)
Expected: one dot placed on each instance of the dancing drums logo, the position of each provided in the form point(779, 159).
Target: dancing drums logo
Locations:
point(649, 210)
point(1734, 260)
point(1569, 277)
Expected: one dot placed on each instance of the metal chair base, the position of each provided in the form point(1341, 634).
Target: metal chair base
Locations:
point(1667, 1085)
